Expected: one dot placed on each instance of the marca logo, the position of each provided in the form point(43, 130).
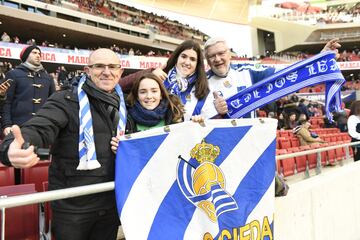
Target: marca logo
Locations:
point(150, 64)
point(203, 183)
point(5, 52)
point(77, 59)
point(50, 57)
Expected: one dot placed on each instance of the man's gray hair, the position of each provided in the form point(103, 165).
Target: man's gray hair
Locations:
point(213, 41)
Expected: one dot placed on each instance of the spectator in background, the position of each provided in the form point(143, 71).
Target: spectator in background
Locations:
point(63, 78)
point(305, 136)
point(291, 121)
point(303, 109)
point(16, 39)
point(30, 89)
point(131, 52)
point(281, 122)
point(5, 37)
point(353, 125)
point(2, 71)
point(341, 121)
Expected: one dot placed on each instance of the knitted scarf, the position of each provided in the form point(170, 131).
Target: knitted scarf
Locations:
point(147, 117)
point(178, 85)
point(87, 153)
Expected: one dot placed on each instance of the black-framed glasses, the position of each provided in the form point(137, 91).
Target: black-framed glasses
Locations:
point(102, 67)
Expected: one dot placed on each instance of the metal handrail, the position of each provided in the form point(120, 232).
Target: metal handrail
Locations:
point(316, 150)
point(32, 198)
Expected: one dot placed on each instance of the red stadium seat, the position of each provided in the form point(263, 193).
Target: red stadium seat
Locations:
point(295, 142)
point(331, 156)
point(310, 157)
point(284, 133)
point(21, 222)
point(279, 162)
point(322, 154)
point(285, 143)
point(300, 161)
point(340, 152)
point(288, 164)
point(7, 176)
point(36, 174)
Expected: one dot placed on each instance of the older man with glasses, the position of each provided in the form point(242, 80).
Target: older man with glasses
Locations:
point(78, 124)
point(225, 79)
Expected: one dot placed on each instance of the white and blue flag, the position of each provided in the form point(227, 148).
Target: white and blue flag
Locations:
point(197, 182)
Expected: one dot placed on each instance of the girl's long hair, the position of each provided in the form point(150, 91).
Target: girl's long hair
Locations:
point(175, 105)
point(201, 84)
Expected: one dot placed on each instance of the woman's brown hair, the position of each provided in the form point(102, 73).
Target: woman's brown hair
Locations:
point(201, 84)
point(175, 104)
point(355, 108)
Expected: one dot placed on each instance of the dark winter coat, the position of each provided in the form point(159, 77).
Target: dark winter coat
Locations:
point(27, 93)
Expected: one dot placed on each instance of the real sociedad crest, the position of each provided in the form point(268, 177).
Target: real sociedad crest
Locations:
point(203, 183)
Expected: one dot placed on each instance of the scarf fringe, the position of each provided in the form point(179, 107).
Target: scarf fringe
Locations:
point(88, 165)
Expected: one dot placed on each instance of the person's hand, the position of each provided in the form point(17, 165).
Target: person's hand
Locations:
point(160, 74)
point(198, 118)
point(21, 158)
point(332, 45)
point(4, 87)
point(7, 130)
point(115, 142)
point(220, 103)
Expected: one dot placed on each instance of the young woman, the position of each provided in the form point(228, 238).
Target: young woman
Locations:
point(184, 75)
point(149, 105)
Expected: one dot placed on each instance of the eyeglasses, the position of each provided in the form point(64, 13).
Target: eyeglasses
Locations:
point(102, 67)
point(221, 54)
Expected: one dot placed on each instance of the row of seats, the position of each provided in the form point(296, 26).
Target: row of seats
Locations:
point(36, 174)
point(293, 165)
point(24, 222)
point(21, 222)
point(288, 135)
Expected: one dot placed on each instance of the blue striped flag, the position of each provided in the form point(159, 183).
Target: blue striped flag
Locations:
point(198, 182)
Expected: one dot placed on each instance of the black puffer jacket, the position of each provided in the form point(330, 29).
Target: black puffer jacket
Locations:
point(57, 124)
point(27, 93)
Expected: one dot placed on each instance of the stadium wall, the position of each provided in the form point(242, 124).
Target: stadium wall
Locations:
point(323, 207)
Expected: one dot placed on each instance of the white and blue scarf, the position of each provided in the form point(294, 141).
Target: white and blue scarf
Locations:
point(321, 68)
point(87, 152)
point(179, 86)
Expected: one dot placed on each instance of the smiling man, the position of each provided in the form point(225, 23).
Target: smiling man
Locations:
point(225, 79)
point(78, 124)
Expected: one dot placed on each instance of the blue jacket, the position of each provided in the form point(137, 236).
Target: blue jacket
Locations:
point(27, 93)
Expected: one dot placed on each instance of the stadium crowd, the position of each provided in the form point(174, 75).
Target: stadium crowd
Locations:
point(305, 13)
point(135, 17)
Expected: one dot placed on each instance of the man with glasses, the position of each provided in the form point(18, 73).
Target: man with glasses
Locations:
point(226, 80)
point(78, 124)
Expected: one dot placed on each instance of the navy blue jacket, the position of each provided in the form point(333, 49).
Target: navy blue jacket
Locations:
point(27, 93)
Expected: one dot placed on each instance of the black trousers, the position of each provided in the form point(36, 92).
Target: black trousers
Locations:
point(97, 225)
